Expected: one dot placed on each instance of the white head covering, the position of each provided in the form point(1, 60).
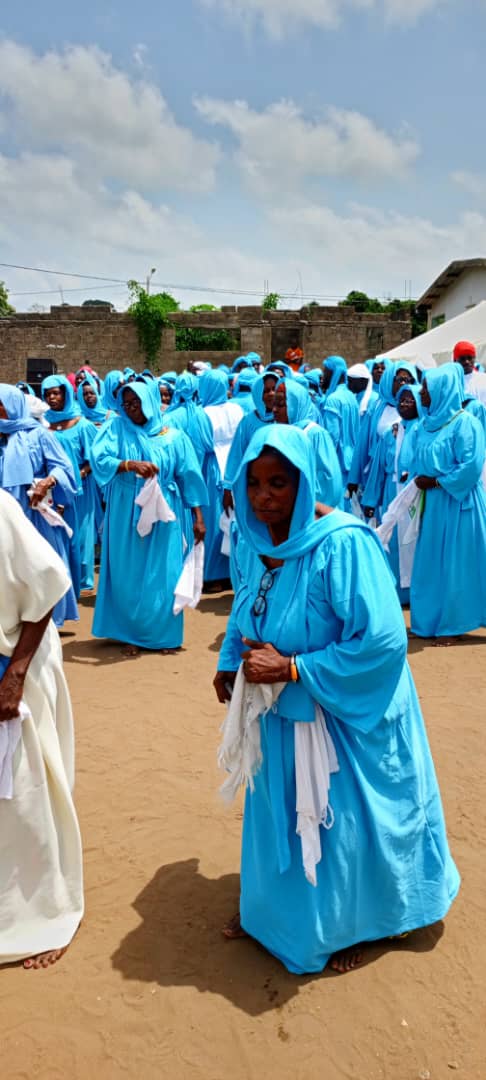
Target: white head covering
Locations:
point(360, 371)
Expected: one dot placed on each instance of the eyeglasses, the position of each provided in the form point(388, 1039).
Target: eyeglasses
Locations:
point(260, 605)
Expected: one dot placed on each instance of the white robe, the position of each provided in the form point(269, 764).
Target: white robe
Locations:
point(41, 881)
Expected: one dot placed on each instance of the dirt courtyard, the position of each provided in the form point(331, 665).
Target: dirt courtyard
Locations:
point(149, 988)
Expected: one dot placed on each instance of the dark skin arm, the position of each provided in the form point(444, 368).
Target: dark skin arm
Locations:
point(198, 528)
point(145, 469)
point(12, 683)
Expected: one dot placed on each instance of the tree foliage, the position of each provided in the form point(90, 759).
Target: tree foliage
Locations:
point(271, 301)
point(363, 303)
point(198, 339)
point(5, 307)
point(151, 312)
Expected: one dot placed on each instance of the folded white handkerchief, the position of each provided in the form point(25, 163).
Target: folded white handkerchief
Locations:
point(154, 507)
point(10, 732)
point(187, 592)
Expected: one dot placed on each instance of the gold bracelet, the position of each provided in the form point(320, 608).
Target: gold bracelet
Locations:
point(294, 674)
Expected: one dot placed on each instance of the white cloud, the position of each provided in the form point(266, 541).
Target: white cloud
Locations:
point(116, 127)
point(367, 246)
point(278, 147)
point(280, 17)
point(473, 183)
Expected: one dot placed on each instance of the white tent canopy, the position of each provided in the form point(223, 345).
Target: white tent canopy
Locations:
point(435, 347)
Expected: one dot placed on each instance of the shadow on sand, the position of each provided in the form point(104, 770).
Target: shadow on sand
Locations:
point(179, 943)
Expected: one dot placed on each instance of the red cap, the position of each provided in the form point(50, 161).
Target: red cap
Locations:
point(464, 348)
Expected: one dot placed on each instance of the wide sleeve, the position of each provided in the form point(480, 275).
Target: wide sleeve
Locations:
point(238, 447)
point(58, 465)
point(32, 576)
point(469, 449)
point(188, 473)
point(105, 456)
point(355, 676)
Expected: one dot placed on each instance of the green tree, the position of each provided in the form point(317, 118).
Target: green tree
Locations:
point(408, 308)
point(271, 301)
point(5, 307)
point(151, 312)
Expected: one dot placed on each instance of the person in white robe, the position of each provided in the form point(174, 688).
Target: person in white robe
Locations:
point(41, 879)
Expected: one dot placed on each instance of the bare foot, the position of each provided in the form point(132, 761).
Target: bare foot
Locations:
point(44, 959)
point(446, 642)
point(169, 652)
point(130, 650)
point(347, 959)
point(233, 929)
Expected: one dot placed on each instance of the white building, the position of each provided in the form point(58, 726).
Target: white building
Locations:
point(457, 289)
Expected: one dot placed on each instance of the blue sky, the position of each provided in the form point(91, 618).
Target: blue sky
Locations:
point(321, 146)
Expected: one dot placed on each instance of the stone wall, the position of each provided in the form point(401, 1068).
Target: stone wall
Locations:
point(73, 336)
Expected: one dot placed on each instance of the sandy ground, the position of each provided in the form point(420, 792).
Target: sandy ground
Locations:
point(149, 988)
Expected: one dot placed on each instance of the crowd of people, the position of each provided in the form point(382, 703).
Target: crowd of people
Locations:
point(326, 498)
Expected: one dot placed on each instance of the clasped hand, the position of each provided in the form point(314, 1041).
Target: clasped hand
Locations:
point(262, 663)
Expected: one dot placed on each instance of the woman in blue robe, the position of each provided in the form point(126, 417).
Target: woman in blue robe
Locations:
point(331, 613)
point(340, 415)
point(380, 418)
point(27, 452)
point(76, 435)
point(448, 590)
point(138, 574)
point(90, 401)
point(293, 405)
point(392, 467)
point(188, 416)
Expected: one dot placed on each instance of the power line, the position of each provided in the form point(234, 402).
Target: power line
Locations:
point(159, 284)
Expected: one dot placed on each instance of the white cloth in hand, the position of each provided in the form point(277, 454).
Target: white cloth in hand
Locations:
point(240, 751)
point(187, 592)
point(154, 507)
point(405, 505)
point(46, 508)
point(10, 732)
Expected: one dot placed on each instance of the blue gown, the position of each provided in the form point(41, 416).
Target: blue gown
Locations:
point(76, 441)
point(448, 590)
point(48, 459)
point(191, 418)
point(340, 418)
point(386, 866)
point(138, 574)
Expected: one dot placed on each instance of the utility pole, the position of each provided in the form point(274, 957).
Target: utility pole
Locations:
point(148, 280)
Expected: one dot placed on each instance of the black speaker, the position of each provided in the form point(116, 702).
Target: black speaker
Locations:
point(38, 368)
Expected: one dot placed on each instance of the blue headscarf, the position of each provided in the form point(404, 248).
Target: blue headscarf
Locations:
point(111, 383)
point(213, 388)
point(128, 373)
point(150, 408)
point(446, 397)
point(186, 390)
point(385, 386)
point(338, 366)
point(253, 358)
point(305, 531)
point(70, 409)
point(237, 365)
point(257, 392)
point(23, 386)
point(414, 389)
point(17, 465)
point(313, 380)
point(282, 367)
point(244, 381)
point(299, 404)
point(97, 414)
